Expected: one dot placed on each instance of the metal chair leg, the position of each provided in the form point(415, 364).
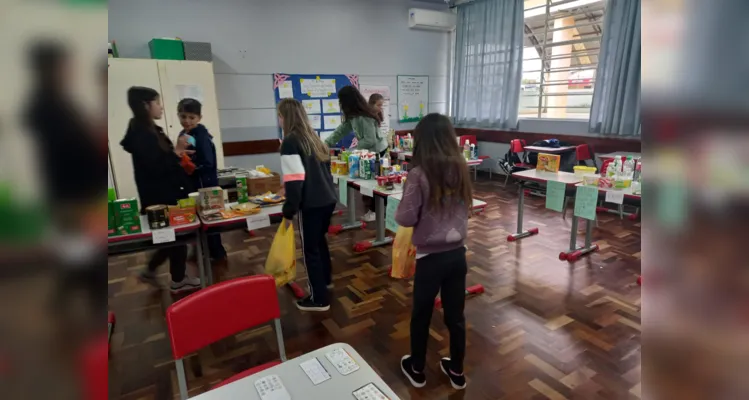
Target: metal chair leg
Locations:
point(621, 211)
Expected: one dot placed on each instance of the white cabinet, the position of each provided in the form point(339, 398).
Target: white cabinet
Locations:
point(170, 78)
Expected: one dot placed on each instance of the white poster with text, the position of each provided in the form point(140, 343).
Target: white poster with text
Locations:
point(413, 97)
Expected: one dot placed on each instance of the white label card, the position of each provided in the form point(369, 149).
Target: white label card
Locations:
point(163, 235)
point(315, 371)
point(613, 196)
point(257, 222)
point(366, 191)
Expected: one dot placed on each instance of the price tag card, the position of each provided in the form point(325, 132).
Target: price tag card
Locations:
point(315, 371)
point(367, 191)
point(390, 210)
point(257, 222)
point(613, 196)
point(343, 190)
point(163, 235)
point(585, 202)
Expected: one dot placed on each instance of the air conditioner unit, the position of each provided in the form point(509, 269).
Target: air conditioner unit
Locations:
point(432, 20)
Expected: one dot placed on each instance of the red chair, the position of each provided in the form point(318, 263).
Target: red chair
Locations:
point(509, 165)
point(584, 154)
point(219, 311)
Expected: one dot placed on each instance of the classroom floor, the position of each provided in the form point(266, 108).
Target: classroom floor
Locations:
point(543, 329)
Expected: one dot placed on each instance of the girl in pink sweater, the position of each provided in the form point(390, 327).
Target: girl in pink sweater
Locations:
point(436, 203)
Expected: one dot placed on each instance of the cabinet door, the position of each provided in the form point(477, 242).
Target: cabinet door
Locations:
point(124, 73)
point(180, 79)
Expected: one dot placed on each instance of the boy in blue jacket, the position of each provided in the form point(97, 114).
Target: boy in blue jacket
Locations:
point(206, 172)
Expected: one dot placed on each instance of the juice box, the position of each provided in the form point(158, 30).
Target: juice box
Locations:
point(242, 193)
point(127, 216)
point(548, 162)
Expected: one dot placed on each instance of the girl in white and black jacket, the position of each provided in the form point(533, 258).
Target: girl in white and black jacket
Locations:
point(310, 192)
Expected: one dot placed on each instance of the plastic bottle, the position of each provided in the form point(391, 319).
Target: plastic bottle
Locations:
point(473, 152)
point(467, 150)
point(629, 168)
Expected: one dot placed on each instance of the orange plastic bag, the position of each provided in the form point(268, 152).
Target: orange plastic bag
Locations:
point(404, 254)
point(281, 262)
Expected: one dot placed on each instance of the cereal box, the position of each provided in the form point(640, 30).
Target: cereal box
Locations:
point(548, 162)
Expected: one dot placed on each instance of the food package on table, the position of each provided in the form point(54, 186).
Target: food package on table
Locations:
point(127, 216)
point(245, 208)
point(605, 182)
point(591, 179)
point(267, 198)
point(211, 198)
point(180, 216)
point(548, 162)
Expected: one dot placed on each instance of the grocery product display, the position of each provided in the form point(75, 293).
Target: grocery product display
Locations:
point(126, 216)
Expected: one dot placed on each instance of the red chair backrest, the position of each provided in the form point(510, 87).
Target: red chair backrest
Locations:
point(517, 145)
point(470, 138)
point(583, 152)
point(221, 310)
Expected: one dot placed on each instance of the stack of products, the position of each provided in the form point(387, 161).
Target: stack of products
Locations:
point(404, 143)
point(261, 180)
point(470, 151)
point(183, 213)
point(363, 164)
point(619, 174)
point(211, 202)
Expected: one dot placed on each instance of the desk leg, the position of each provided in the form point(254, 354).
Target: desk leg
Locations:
point(575, 253)
point(520, 233)
point(380, 239)
point(206, 258)
point(200, 257)
point(351, 222)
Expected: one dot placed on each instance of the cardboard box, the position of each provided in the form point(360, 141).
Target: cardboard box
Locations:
point(127, 216)
point(211, 198)
point(256, 186)
point(181, 216)
point(548, 162)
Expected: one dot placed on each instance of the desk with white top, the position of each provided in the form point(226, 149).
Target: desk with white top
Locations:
point(300, 387)
point(541, 177)
point(143, 241)
point(619, 154)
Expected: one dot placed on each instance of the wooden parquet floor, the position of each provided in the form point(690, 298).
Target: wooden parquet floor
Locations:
point(544, 329)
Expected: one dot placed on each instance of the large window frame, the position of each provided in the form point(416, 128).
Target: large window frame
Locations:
point(566, 58)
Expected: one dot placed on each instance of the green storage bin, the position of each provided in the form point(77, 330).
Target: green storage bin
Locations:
point(166, 49)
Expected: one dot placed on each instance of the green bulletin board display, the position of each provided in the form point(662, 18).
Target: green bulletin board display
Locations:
point(413, 97)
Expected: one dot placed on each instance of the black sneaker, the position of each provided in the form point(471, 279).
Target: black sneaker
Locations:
point(149, 278)
point(306, 304)
point(457, 381)
point(418, 379)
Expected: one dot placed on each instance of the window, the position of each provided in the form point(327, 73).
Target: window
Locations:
point(560, 56)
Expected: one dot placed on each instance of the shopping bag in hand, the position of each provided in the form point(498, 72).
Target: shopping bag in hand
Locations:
point(404, 254)
point(281, 262)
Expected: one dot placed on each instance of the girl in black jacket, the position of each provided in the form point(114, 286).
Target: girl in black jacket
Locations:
point(159, 177)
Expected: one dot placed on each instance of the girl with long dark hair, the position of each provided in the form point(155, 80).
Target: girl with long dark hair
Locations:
point(159, 177)
point(436, 203)
point(364, 120)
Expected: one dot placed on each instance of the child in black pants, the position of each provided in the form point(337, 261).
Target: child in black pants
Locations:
point(436, 203)
point(310, 191)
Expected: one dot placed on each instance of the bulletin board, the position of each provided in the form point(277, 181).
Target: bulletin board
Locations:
point(319, 95)
point(413, 97)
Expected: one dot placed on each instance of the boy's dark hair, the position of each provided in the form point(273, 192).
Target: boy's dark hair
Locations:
point(190, 106)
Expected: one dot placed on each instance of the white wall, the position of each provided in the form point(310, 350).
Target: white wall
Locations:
point(252, 39)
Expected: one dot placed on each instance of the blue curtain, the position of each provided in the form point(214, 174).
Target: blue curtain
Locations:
point(616, 98)
point(488, 64)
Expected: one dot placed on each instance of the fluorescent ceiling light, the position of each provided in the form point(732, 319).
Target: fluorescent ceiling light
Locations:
point(542, 10)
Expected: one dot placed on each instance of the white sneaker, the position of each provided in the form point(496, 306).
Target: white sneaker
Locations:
point(187, 283)
point(370, 216)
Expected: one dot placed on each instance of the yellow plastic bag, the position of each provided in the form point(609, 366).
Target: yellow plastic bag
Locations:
point(281, 262)
point(404, 254)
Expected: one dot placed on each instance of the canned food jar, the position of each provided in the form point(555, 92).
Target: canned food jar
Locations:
point(158, 216)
